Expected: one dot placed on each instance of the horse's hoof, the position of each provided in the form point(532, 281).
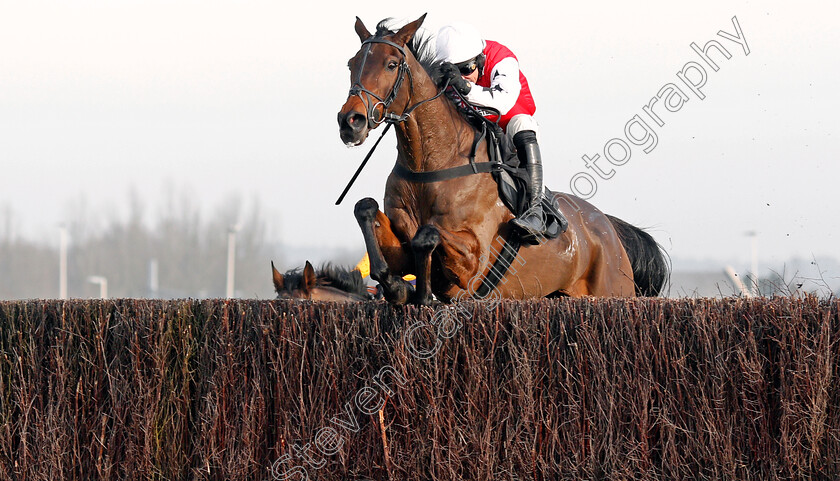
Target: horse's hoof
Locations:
point(400, 298)
point(366, 209)
point(399, 291)
point(425, 302)
point(426, 239)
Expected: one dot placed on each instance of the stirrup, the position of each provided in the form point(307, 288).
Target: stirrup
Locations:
point(528, 233)
point(529, 236)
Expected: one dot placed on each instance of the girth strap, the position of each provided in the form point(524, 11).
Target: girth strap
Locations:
point(444, 174)
point(500, 267)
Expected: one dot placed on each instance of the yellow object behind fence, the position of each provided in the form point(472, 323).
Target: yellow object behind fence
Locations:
point(364, 268)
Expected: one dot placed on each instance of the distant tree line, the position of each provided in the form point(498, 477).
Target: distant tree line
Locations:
point(188, 247)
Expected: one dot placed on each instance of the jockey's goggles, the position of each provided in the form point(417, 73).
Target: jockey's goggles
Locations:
point(468, 67)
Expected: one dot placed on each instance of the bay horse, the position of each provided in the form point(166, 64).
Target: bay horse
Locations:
point(448, 232)
point(329, 283)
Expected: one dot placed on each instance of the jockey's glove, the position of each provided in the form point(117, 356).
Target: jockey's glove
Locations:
point(449, 72)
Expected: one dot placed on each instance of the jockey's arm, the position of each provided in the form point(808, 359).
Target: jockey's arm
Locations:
point(503, 90)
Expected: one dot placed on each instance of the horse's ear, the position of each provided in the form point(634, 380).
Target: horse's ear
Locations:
point(309, 278)
point(361, 30)
point(278, 279)
point(407, 32)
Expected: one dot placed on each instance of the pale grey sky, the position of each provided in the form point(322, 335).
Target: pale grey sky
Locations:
point(240, 97)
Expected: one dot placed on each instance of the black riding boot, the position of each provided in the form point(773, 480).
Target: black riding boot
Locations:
point(531, 224)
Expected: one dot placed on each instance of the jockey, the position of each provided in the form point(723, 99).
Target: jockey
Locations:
point(487, 74)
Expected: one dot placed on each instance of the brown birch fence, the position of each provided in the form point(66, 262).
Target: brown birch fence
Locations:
point(543, 390)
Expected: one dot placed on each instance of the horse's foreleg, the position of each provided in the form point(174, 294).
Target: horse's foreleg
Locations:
point(376, 229)
point(423, 244)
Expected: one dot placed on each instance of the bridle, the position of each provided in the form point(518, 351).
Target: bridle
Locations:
point(357, 89)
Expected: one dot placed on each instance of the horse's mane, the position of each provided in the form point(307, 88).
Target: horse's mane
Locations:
point(342, 278)
point(422, 46)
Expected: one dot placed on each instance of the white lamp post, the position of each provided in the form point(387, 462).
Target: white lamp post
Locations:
point(753, 235)
point(62, 262)
point(103, 285)
point(231, 260)
point(154, 286)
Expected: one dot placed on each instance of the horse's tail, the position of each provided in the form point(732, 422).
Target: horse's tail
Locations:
point(650, 266)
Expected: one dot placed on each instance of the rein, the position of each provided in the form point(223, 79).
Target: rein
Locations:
point(494, 163)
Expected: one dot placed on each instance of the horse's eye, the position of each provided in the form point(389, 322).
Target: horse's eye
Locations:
point(392, 65)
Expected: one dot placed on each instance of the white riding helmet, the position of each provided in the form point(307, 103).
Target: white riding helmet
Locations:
point(458, 43)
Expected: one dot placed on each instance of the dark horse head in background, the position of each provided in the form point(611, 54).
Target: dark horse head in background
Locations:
point(328, 283)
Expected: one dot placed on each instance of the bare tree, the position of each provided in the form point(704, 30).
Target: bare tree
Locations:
point(189, 248)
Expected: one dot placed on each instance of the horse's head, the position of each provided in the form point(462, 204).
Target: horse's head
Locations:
point(305, 284)
point(377, 73)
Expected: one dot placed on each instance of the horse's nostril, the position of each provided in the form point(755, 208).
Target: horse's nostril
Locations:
point(357, 121)
point(352, 121)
